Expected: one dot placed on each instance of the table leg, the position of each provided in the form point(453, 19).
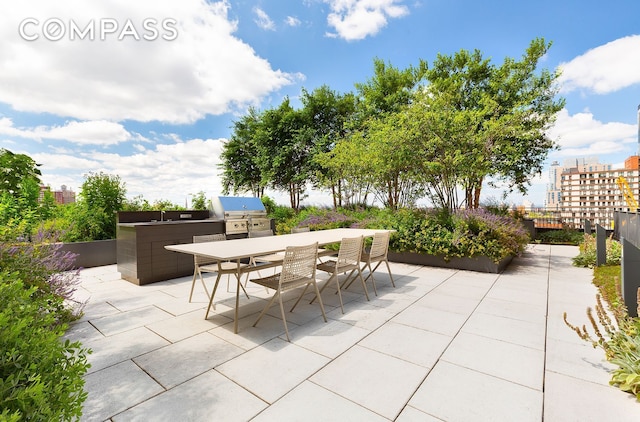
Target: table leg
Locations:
point(235, 315)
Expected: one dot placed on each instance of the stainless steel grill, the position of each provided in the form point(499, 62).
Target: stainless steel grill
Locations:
point(241, 214)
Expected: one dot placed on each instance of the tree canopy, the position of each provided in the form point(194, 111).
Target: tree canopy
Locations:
point(440, 132)
point(16, 170)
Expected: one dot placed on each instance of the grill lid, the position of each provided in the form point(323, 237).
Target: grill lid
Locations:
point(237, 206)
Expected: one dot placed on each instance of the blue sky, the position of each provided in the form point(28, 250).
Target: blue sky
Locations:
point(153, 101)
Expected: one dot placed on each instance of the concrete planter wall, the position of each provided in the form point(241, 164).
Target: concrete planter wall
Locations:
point(92, 254)
point(480, 264)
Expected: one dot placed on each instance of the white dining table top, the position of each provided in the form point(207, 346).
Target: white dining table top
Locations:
point(247, 247)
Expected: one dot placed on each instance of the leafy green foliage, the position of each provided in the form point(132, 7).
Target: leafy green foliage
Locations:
point(41, 264)
point(103, 195)
point(563, 236)
point(466, 233)
point(436, 232)
point(16, 170)
point(41, 377)
point(588, 252)
point(199, 201)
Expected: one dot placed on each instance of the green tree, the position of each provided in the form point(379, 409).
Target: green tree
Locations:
point(326, 113)
point(239, 160)
point(388, 90)
point(103, 195)
point(199, 201)
point(375, 137)
point(284, 147)
point(15, 170)
point(507, 111)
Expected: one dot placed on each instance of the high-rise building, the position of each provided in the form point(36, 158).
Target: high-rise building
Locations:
point(553, 200)
point(593, 193)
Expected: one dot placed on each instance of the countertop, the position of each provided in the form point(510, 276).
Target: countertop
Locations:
point(168, 222)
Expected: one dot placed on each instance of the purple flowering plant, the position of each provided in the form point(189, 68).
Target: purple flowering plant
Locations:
point(41, 263)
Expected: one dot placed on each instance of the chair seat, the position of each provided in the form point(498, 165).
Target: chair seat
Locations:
point(273, 280)
point(326, 252)
point(366, 257)
point(330, 266)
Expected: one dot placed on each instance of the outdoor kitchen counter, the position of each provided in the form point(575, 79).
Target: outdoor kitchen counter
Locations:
point(159, 223)
point(140, 248)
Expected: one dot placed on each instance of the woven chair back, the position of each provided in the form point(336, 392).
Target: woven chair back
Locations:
point(299, 263)
point(203, 260)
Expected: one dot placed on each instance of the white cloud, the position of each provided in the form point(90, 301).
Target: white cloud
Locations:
point(581, 135)
point(97, 132)
point(168, 171)
point(205, 70)
point(292, 21)
point(263, 20)
point(357, 19)
point(604, 69)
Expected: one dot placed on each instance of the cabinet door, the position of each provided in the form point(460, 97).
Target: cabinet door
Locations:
point(164, 263)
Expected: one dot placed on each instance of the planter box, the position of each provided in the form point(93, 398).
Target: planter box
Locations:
point(92, 254)
point(480, 264)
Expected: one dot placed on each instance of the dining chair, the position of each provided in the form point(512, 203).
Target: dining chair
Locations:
point(229, 268)
point(203, 264)
point(321, 252)
point(274, 258)
point(377, 253)
point(200, 261)
point(348, 260)
point(298, 269)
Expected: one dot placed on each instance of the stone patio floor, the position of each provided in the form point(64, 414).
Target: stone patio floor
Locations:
point(444, 345)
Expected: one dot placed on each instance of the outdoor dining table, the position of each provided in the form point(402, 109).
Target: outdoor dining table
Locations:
point(242, 249)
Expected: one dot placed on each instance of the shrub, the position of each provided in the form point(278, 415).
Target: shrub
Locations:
point(436, 232)
point(41, 377)
point(588, 252)
point(467, 233)
point(41, 264)
point(564, 236)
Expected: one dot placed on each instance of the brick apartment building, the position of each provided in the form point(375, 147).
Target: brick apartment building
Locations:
point(591, 191)
point(62, 196)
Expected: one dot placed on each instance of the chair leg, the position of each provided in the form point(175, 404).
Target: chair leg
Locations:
point(390, 276)
point(368, 265)
point(284, 319)
point(193, 283)
point(240, 284)
point(324, 286)
point(266, 308)
point(299, 297)
point(364, 285)
point(315, 285)
point(213, 293)
point(339, 294)
point(347, 281)
point(204, 285)
point(373, 279)
point(242, 287)
point(196, 273)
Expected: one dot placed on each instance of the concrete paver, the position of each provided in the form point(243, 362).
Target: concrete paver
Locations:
point(444, 345)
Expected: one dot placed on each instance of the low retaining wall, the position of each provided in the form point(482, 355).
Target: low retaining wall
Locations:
point(92, 254)
point(480, 264)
